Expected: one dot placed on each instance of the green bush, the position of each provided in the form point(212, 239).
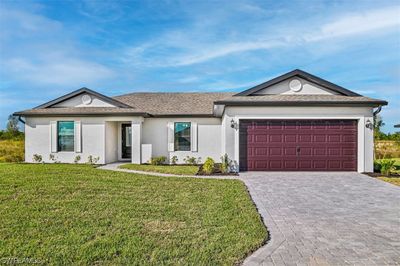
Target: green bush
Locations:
point(192, 160)
point(387, 166)
point(377, 166)
point(208, 166)
point(225, 164)
point(174, 159)
point(77, 159)
point(37, 158)
point(92, 160)
point(158, 160)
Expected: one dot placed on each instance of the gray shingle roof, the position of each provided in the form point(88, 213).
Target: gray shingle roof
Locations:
point(197, 104)
point(160, 104)
point(299, 100)
point(80, 111)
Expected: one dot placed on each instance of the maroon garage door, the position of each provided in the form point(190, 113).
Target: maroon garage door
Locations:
point(298, 145)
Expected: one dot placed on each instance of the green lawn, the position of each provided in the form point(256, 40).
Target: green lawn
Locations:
point(76, 214)
point(393, 180)
point(165, 169)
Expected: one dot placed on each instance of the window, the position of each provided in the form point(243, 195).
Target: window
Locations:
point(65, 135)
point(182, 136)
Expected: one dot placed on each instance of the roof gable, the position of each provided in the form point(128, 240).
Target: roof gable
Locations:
point(79, 98)
point(310, 85)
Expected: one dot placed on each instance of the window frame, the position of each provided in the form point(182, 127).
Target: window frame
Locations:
point(190, 136)
point(58, 136)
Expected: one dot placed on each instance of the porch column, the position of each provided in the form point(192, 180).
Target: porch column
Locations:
point(136, 141)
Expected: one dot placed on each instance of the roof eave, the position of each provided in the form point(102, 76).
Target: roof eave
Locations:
point(25, 114)
point(80, 91)
point(308, 103)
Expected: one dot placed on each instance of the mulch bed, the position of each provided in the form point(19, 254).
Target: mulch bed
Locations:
point(376, 174)
point(217, 171)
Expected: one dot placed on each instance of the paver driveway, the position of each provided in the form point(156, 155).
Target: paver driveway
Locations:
point(326, 218)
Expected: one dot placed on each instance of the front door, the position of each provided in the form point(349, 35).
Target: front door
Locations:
point(126, 149)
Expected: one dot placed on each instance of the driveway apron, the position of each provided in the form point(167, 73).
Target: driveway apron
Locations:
point(336, 218)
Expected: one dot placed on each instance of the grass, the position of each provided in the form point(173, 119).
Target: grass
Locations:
point(392, 180)
point(165, 169)
point(11, 150)
point(76, 214)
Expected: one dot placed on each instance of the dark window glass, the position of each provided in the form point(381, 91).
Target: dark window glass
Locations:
point(182, 136)
point(65, 131)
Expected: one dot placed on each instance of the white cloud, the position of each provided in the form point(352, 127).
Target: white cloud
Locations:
point(60, 71)
point(182, 49)
point(362, 23)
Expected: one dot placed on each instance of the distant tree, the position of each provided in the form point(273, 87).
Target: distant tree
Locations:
point(378, 124)
point(12, 125)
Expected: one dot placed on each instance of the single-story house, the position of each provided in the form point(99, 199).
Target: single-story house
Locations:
point(294, 122)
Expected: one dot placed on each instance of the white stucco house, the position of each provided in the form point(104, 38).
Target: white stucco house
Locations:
point(295, 122)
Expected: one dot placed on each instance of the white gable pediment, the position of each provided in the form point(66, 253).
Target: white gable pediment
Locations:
point(295, 86)
point(83, 100)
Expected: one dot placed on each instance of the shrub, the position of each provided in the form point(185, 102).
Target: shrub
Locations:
point(387, 166)
point(225, 164)
point(192, 160)
point(92, 160)
point(159, 160)
point(37, 158)
point(174, 159)
point(208, 166)
point(52, 157)
point(77, 159)
point(377, 166)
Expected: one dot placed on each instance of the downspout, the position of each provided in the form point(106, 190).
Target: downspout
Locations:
point(20, 120)
point(377, 111)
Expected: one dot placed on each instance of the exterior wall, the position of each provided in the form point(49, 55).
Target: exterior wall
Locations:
point(155, 132)
point(362, 114)
point(308, 88)
point(93, 134)
point(38, 139)
point(111, 139)
point(77, 102)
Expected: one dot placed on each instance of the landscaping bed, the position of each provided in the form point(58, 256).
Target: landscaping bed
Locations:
point(76, 214)
point(387, 170)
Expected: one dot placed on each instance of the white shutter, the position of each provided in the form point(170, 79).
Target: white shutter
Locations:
point(193, 135)
point(78, 136)
point(53, 136)
point(170, 136)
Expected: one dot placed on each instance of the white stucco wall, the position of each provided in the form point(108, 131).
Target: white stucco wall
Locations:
point(38, 138)
point(93, 130)
point(362, 114)
point(155, 132)
point(307, 88)
point(111, 139)
point(77, 102)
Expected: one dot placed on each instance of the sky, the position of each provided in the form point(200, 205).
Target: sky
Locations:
point(50, 48)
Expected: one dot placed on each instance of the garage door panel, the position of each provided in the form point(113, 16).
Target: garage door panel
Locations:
point(302, 145)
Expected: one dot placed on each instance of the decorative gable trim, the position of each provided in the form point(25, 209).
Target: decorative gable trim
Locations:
point(81, 91)
point(301, 74)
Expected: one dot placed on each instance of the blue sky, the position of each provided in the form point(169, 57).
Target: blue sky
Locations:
point(49, 48)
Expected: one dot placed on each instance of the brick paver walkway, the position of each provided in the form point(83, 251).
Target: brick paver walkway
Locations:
point(326, 219)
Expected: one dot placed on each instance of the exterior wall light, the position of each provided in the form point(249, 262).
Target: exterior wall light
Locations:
point(369, 124)
point(233, 124)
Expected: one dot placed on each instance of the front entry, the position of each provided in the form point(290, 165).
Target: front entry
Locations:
point(126, 149)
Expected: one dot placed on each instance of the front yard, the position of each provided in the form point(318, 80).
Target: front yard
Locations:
point(76, 214)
